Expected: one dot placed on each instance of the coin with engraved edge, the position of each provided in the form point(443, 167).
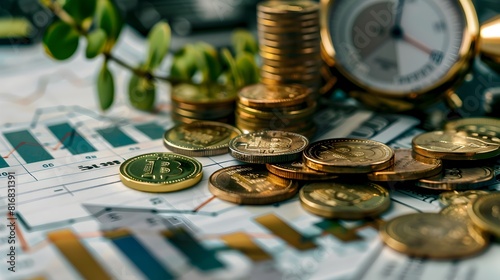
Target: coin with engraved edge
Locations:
point(485, 213)
point(465, 178)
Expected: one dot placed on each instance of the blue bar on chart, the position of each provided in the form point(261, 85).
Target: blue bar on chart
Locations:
point(27, 146)
point(198, 255)
point(71, 139)
point(138, 255)
point(116, 137)
point(3, 163)
point(152, 130)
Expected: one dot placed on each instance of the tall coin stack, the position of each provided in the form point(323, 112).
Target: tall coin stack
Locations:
point(289, 41)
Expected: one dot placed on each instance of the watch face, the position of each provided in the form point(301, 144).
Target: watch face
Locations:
point(396, 46)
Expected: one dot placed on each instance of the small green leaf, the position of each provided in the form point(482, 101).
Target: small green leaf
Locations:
point(183, 65)
point(141, 93)
point(109, 19)
point(159, 42)
point(60, 40)
point(244, 41)
point(96, 41)
point(233, 69)
point(80, 10)
point(247, 68)
point(105, 87)
point(212, 64)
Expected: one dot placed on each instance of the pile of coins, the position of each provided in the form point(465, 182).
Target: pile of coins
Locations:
point(289, 41)
point(277, 107)
point(210, 102)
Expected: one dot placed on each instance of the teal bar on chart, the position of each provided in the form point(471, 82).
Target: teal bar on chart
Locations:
point(71, 139)
point(116, 137)
point(152, 130)
point(3, 163)
point(140, 256)
point(198, 255)
point(27, 146)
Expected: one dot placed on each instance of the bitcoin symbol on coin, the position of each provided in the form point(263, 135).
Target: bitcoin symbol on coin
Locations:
point(161, 168)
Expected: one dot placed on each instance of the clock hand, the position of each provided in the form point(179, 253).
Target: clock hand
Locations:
point(399, 13)
point(417, 44)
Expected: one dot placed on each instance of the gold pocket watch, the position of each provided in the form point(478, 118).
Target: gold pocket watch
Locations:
point(400, 55)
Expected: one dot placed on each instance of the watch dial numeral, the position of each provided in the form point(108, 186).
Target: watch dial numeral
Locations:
point(437, 56)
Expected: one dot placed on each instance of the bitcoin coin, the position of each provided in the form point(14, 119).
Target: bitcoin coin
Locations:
point(432, 235)
point(339, 200)
point(459, 198)
point(450, 145)
point(160, 172)
point(344, 155)
point(298, 171)
point(268, 146)
point(463, 178)
point(260, 95)
point(250, 184)
point(489, 128)
point(485, 213)
point(278, 113)
point(456, 211)
point(203, 94)
point(200, 139)
point(406, 168)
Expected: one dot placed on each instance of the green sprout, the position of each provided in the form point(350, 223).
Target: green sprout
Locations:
point(100, 22)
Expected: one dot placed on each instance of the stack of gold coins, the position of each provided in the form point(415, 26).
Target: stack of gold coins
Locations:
point(289, 40)
point(213, 102)
point(275, 107)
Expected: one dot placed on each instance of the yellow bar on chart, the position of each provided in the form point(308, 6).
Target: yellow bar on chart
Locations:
point(242, 242)
point(70, 246)
point(284, 231)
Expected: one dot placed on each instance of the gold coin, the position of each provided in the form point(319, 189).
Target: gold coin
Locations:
point(200, 139)
point(204, 115)
point(160, 172)
point(432, 235)
point(288, 16)
point(203, 107)
point(290, 51)
point(456, 198)
point(338, 200)
point(291, 63)
point(456, 211)
point(270, 146)
point(298, 37)
point(287, 22)
point(458, 179)
point(289, 44)
point(485, 213)
point(275, 124)
point(250, 184)
point(288, 7)
point(487, 129)
point(260, 95)
point(295, 56)
point(406, 168)
point(298, 171)
point(278, 113)
point(203, 94)
point(291, 70)
point(296, 77)
point(291, 30)
point(343, 155)
point(182, 119)
point(450, 145)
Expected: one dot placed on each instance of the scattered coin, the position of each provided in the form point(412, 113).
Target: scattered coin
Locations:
point(485, 213)
point(298, 171)
point(432, 235)
point(459, 198)
point(344, 155)
point(268, 146)
point(260, 95)
point(250, 184)
point(451, 145)
point(339, 200)
point(456, 211)
point(458, 179)
point(487, 129)
point(160, 172)
point(407, 168)
point(200, 139)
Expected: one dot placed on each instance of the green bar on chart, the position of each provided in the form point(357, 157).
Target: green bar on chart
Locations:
point(71, 139)
point(115, 137)
point(152, 130)
point(27, 146)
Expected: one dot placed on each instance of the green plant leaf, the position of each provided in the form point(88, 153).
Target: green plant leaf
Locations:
point(247, 68)
point(105, 87)
point(60, 40)
point(233, 69)
point(95, 43)
point(244, 41)
point(141, 93)
point(212, 65)
point(109, 19)
point(159, 42)
point(80, 10)
point(183, 65)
